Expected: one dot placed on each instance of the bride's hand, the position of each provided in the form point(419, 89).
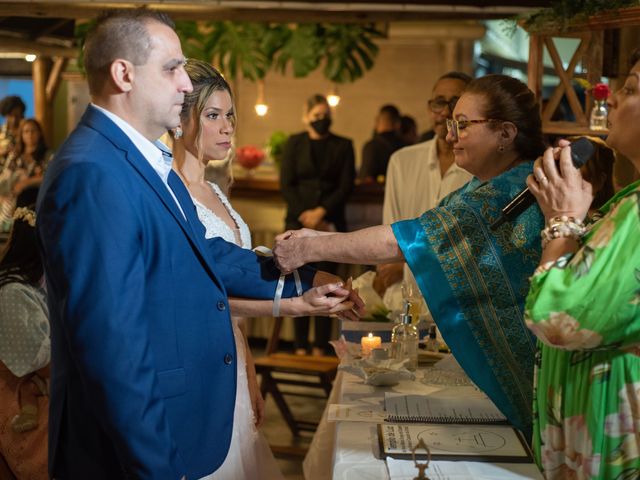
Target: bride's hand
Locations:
point(329, 298)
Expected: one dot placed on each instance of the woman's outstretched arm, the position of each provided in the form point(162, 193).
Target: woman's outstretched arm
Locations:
point(368, 246)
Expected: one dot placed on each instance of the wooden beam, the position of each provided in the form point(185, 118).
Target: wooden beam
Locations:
point(11, 44)
point(345, 12)
point(53, 82)
point(565, 81)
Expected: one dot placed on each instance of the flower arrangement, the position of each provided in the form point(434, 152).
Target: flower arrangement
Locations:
point(599, 91)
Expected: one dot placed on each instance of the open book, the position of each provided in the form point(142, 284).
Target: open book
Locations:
point(441, 409)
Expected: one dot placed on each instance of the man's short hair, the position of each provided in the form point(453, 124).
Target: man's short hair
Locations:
point(119, 34)
point(391, 112)
point(463, 77)
point(10, 103)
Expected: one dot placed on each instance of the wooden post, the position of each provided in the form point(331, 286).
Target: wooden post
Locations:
point(535, 66)
point(40, 70)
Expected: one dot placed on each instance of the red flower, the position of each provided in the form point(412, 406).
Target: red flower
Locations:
point(601, 91)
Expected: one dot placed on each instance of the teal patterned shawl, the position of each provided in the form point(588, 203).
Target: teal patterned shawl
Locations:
point(475, 282)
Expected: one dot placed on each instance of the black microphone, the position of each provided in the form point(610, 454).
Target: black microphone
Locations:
point(581, 151)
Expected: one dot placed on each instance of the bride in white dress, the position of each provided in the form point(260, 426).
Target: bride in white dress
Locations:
point(208, 123)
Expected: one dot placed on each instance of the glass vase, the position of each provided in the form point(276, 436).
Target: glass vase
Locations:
point(598, 118)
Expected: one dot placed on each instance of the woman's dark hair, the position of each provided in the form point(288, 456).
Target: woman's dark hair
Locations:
point(20, 260)
point(510, 100)
point(10, 103)
point(39, 154)
point(314, 100)
point(598, 171)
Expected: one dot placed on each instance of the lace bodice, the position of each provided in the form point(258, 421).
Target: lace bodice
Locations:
point(216, 227)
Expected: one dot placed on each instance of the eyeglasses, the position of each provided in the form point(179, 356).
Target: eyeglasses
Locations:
point(455, 126)
point(437, 105)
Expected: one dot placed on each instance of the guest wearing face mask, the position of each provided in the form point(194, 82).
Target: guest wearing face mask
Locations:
point(316, 178)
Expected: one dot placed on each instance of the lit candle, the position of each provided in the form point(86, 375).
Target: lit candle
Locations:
point(369, 343)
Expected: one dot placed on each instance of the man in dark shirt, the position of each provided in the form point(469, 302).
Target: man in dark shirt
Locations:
point(376, 152)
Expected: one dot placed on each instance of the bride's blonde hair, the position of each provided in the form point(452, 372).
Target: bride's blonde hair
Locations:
point(206, 80)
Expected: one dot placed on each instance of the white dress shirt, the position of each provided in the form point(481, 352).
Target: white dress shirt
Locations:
point(150, 151)
point(414, 183)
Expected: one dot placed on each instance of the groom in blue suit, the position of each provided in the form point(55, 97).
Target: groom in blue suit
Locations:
point(143, 381)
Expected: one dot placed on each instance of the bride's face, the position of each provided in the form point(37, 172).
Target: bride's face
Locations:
point(217, 124)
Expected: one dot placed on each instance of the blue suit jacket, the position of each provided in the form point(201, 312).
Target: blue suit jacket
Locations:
point(144, 371)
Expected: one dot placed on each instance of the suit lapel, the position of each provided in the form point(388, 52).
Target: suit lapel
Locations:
point(100, 122)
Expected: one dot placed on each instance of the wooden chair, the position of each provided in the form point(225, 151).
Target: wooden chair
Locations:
point(276, 369)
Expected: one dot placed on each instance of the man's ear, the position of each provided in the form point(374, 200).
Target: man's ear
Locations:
point(122, 74)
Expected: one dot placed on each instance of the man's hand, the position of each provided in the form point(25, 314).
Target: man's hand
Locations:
point(387, 275)
point(311, 218)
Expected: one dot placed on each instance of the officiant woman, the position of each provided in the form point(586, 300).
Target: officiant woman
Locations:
point(474, 279)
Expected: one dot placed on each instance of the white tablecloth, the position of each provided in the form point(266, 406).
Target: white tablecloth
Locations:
point(349, 450)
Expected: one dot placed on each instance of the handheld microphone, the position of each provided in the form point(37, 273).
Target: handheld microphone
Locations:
point(581, 151)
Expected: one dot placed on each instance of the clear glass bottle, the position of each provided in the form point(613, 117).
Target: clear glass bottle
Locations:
point(598, 119)
point(432, 343)
point(404, 339)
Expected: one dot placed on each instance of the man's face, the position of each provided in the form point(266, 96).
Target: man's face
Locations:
point(14, 117)
point(159, 85)
point(441, 104)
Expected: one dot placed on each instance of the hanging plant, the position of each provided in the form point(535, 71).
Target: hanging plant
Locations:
point(302, 47)
point(234, 47)
point(349, 51)
point(251, 49)
point(564, 13)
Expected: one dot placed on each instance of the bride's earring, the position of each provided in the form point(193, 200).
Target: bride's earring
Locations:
point(177, 132)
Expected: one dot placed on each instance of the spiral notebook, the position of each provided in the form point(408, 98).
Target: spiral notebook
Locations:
point(441, 409)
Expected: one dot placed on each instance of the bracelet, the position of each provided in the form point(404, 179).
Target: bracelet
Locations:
point(275, 311)
point(562, 227)
point(545, 267)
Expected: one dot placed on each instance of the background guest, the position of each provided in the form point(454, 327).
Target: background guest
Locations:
point(474, 279)
point(23, 167)
point(583, 306)
point(385, 141)
point(420, 176)
point(408, 131)
point(12, 108)
point(25, 348)
point(316, 178)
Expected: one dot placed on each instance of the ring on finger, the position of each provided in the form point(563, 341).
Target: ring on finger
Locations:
point(542, 178)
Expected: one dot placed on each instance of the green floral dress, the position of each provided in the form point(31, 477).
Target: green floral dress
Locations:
point(585, 312)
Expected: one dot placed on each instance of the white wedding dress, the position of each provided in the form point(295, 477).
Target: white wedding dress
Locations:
point(249, 455)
